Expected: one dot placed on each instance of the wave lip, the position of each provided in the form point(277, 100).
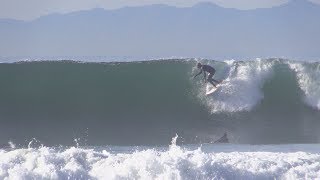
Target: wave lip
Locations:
point(308, 76)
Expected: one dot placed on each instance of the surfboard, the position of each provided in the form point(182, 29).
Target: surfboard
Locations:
point(210, 89)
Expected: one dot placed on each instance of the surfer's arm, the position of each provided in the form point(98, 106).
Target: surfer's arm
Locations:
point(198, 74)
point(205, 76)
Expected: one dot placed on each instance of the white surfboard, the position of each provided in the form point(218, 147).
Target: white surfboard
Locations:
point(210, 89)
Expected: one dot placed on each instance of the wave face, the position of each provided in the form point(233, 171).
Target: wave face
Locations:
point(147, 103)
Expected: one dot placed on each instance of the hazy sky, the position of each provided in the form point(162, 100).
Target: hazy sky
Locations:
point(30, 9)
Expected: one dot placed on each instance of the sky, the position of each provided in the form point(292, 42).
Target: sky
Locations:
point(290, 33)
point(31, 9)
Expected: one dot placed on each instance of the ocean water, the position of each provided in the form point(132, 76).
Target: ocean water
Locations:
point(152, 120)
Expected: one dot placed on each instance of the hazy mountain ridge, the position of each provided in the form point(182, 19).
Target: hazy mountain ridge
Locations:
point(160, 30)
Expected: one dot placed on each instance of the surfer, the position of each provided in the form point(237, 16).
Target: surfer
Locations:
point(210, 70)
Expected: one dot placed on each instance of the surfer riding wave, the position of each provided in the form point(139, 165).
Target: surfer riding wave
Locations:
point(210, 70)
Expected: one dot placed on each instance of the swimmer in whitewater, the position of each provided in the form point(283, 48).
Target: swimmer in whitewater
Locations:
point(210, 70)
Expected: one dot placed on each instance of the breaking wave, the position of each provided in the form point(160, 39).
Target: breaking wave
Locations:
point(146, 103)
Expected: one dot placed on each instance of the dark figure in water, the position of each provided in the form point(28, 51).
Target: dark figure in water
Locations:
point(223, 139)
point(210, 70)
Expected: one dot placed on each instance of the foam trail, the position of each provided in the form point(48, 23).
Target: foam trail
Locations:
point(242, 89)
point(308, 76)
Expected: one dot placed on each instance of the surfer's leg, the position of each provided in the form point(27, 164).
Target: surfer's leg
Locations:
point(211, 79)
point(216, 81)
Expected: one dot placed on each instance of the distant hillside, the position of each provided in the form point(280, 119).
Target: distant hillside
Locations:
point(290, 30)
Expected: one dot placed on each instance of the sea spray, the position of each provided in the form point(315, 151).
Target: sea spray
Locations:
point(241, 90)
point(173, 162)
point(308, 77)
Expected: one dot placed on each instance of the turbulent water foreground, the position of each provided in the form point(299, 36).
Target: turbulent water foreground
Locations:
point(176, 162)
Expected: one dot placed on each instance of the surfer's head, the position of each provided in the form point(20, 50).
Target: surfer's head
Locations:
point(199, 65)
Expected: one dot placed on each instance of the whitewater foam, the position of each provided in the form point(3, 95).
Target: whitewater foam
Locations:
point(206, 162)
point(308, 76)
point(242, 88)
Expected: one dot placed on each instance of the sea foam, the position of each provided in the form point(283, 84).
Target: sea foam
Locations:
point(308, 76)
point(176, 162)
point(241, 90)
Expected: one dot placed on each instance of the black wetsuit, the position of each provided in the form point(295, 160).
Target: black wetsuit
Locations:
point(208, 69)
point(211, 71)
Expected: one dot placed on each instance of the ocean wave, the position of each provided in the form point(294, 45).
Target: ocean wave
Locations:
point(308, 76)
point(146, 103)
point(241, 90)
point(175, 162)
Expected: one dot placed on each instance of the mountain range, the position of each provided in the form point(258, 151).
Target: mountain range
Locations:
point(291, 30)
